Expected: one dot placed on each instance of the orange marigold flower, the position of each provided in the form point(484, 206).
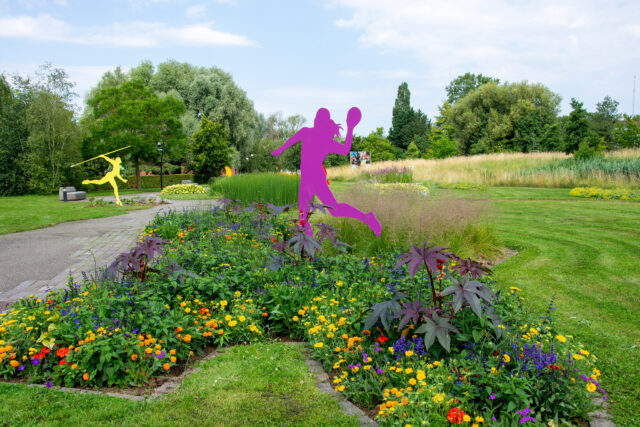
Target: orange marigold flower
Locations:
point(14, 363)
point(149, 350)
point(166, 366)
point(134, 357)
point(85, 377)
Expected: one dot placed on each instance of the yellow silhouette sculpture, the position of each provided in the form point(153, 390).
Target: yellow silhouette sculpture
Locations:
point(227, 171)
point(110, 176)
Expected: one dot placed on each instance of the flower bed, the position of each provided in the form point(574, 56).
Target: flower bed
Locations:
point(426, 342)
point(606, 194)
point(183, 189)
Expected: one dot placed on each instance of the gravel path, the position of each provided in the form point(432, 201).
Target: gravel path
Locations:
point(33, 261)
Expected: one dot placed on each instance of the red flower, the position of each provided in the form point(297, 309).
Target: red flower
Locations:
point(203, 310)
point(303, 222)
point(382, 339)
point(553, 367)
point(45, 350)
point(366, 332)
point(455, 416)
point(62, 352)
point(50, 301)
point(62, 362)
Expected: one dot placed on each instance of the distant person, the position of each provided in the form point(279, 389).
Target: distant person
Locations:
point(317, 143)
point(110, 176)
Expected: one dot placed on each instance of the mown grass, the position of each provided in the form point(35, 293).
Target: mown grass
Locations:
point(586, 254)
point(21, 213)
point(617, 169)
point(279, 189)
point(257, 385)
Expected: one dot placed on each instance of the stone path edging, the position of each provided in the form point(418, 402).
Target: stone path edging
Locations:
point(347, 407)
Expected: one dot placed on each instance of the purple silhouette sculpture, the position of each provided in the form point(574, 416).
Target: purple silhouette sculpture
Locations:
point(317, 143)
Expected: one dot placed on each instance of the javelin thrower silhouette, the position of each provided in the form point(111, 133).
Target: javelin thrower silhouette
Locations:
point(317, 143)
point(110, 176)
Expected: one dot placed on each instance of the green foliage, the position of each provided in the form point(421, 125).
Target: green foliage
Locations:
point(605, 118)
point(466, 83)
point(577, 128)
point(406, 123)
point(210, 148)
point(442, 145)
point(146, 181)
point(379, 146)
point(626, 133)
point(412, 151)
point(586, 152)
point(131, 114)
point(278, 189)
point(13, 136)
point(508, 117)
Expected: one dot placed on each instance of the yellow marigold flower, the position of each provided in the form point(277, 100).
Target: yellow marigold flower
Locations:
point(345, 336)
point(339, 283)
point(436, 363)
point(479, 419)
point(337, 349)
point(233, 323)
point(172, 352)
point(466, 418)
point(438, 398)
point(584, 352)
point(420, 375)
point(578, 357)
point(561, 338)
point(591, 387)
point(242, 318)
point(408, 353)
point(506, 358)
point(223, 303)
point(296, 318)
point(408, 371)
point(228, 317)
point(318, 345)
point(74, 366)
point(412, 381)
point(187, 310)
point(596, 372)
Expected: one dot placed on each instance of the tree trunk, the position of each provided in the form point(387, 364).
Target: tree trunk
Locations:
point(138, 183)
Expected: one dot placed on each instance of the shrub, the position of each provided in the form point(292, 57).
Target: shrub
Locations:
point(606, 194)
point(183, 189)
point(279, 189)
point(147, 181)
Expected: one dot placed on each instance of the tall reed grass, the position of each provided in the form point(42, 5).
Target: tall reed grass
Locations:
point(411, 218)
point(545, 169)
point(279, 189)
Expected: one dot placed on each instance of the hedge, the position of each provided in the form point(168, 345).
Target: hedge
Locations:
point(146, 181)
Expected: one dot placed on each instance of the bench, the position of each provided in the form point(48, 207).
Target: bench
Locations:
point(67, 194)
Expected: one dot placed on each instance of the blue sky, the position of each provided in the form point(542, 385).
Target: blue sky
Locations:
point(297, 56)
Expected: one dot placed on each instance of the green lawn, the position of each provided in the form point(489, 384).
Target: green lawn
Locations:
point(21, 213)
point(257, 385)
point(586, 253)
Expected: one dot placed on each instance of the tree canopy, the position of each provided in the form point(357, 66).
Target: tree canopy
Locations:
point(406, 123)
point(508, 117)
point(466, 83)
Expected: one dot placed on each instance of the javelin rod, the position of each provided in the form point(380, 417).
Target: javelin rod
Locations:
point(93, 158)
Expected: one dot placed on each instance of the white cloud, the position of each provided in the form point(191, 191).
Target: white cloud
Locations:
point(196, 11)
point(45, 28)
point(569, 43)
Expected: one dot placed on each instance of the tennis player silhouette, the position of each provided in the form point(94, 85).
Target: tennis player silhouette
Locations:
point(110, 176)
point(317, 143)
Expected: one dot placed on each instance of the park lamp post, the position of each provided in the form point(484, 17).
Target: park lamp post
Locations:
point(159, 144)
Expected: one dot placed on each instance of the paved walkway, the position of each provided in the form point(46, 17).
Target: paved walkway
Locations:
point(33, 261)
